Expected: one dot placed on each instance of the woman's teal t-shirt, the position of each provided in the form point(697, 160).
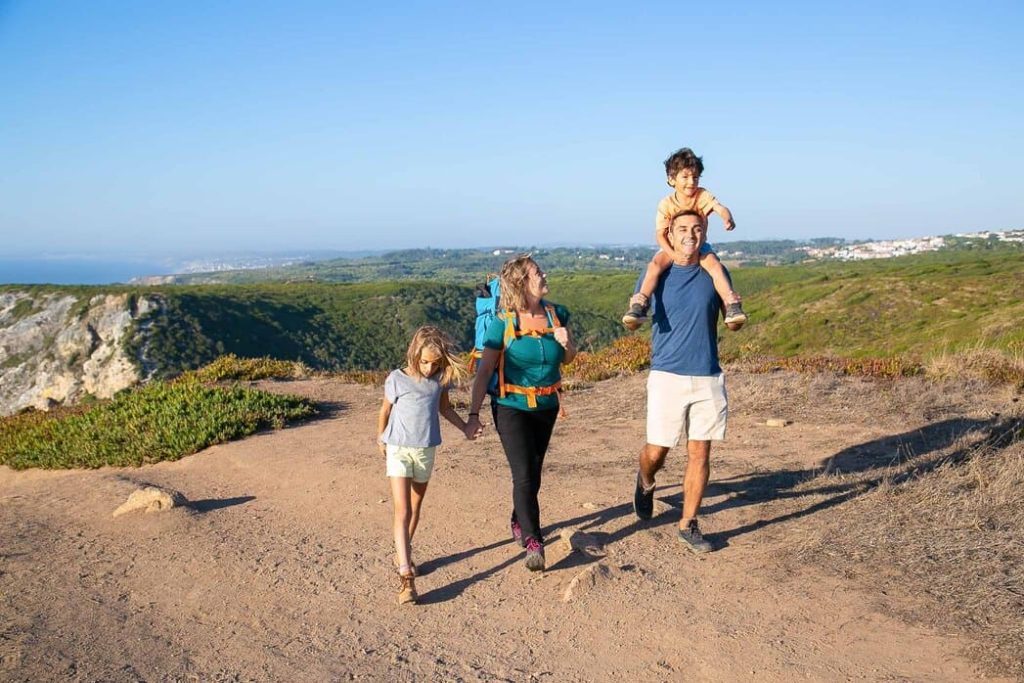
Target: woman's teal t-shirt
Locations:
point(529, 362)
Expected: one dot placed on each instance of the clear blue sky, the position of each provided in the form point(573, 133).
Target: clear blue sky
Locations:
point(149, 126)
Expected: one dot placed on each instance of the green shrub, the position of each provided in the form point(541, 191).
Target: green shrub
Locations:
point(231, 367)
point(161, 421)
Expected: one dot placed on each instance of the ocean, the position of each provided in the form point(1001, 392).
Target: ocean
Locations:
point(75, 271)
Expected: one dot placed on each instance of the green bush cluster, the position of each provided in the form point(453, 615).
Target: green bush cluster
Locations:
point(231, 367)
point(161, 421)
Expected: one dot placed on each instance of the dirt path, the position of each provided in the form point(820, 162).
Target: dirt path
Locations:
point(283, 568)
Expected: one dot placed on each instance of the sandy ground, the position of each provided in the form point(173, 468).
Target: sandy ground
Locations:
point(281, 569)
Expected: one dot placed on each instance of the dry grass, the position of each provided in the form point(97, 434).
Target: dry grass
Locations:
point(989, 364)
point(831, 396)
point(942, 522)
point(931, 514)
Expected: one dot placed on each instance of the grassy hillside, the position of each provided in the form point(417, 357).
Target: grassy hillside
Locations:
point(916, 307)
point(345, 327)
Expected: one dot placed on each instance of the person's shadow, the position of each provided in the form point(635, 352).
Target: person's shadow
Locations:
point(894, 458)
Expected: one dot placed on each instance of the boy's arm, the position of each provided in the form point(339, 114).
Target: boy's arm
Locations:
point(382, 423)
point(725, 214)
point(448, 412)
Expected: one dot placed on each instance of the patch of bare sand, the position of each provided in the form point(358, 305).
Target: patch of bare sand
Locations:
point(281, 569)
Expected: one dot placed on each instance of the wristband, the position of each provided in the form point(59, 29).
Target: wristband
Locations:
point(474, 414)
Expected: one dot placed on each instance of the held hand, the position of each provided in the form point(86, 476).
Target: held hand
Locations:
point(473, 428)
point(562, 336)
point(638, 298)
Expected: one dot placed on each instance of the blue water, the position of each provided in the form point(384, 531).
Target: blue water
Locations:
point(74, 271)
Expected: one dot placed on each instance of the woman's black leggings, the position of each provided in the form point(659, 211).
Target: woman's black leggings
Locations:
point(524, 436)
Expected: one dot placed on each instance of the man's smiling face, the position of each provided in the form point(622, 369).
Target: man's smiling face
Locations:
point(687, 236)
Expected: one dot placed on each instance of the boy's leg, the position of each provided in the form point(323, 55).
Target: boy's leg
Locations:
point(733, 308)
point(657, 265)
point(637, 313)
point(400, 497)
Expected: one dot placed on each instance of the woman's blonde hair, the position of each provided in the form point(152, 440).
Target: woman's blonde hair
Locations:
point(512, 280)
point(452, 368)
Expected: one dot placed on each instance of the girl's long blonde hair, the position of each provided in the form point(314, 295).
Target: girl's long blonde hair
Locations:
point(512, 281)
point(429, 336)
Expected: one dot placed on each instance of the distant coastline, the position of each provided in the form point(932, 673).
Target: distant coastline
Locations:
point(75, 271)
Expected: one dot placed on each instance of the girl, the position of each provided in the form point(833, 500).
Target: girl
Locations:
point(409, 431)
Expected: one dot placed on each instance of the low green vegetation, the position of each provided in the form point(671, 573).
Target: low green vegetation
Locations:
point(161, 421)
point(23, 308)
point(231, 367)
point(911, 308)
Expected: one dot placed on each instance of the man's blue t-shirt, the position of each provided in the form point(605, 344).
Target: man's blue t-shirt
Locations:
point(684, 322)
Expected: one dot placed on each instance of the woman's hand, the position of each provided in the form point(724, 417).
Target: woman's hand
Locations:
point(562, 337)
point(382, 447)
point(473, 427)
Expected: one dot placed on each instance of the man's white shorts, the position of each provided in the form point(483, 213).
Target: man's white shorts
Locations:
point(685, 404)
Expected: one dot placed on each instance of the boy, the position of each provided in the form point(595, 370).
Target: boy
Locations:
point(683, 170)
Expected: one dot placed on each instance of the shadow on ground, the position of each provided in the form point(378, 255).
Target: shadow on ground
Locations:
point(893, 458)
point(211, 504)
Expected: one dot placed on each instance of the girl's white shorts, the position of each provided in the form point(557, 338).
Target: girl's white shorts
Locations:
point(410, 461)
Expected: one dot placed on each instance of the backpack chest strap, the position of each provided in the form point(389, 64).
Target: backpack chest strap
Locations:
point(531, 392)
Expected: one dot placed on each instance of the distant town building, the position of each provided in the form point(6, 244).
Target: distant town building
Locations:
point(892, 248)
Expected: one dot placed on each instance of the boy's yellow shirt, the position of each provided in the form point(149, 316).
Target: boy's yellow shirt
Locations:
point(703, 202)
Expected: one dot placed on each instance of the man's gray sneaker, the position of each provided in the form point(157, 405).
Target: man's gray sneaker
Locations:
point(693, 538)
point(643, 499)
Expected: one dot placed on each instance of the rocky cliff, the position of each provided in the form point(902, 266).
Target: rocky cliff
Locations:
point(58, 347)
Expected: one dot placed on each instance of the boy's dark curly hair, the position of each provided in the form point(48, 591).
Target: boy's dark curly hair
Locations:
point(683, 159)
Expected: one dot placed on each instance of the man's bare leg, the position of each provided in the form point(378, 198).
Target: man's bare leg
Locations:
point(695, 481)
point(652, 459)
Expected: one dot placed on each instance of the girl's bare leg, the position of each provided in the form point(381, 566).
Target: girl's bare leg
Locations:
point(400, 497)
point(419, 489)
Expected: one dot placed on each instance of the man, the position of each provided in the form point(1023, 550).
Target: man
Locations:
point(685, 389)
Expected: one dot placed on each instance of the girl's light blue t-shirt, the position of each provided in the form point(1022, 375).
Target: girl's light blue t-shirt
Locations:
point(414, 418)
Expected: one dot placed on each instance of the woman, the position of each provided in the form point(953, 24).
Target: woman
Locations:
point(526, 344)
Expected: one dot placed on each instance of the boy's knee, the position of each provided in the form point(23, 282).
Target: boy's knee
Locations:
point(660, 261)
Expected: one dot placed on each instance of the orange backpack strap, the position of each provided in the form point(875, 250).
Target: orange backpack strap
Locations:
point(511, 334)
point(552, 316)
point(532, 392)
